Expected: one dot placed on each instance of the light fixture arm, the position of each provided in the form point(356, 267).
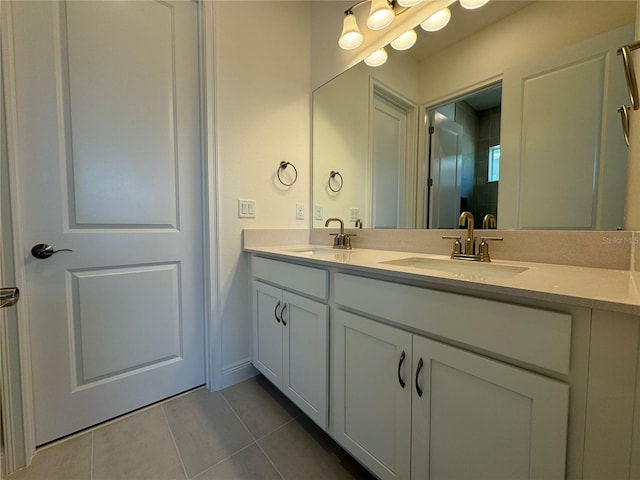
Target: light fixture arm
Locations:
point(349, 11)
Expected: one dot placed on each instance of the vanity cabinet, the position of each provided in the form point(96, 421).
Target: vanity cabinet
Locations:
point(410, 407)
point(290, 334)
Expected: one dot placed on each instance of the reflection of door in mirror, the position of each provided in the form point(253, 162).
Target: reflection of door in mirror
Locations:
point(464, 138)
point(563, 154)
point(389, 157)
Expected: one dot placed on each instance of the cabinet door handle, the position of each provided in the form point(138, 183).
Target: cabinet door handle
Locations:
point(420, 365)
point(282, 314)
point(275, 312)
point(402, 357)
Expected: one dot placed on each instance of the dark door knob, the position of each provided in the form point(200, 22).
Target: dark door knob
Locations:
point(42, 250)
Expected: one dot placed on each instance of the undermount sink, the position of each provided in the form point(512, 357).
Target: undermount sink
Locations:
point(319, 251)
point(459, 266)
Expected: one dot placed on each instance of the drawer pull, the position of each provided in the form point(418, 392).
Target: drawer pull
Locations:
point(402, 357)
point(420, 365)
point(275, 312)
point(282, 314)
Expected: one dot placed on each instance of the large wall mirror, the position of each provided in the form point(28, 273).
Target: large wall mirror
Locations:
point(511, 110)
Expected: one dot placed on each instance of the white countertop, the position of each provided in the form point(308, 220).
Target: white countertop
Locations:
point(615, 290)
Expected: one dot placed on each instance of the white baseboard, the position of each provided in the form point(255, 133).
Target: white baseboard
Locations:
point(238, 372)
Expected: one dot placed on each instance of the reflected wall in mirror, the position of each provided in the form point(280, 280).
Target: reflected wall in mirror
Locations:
point(562, 157)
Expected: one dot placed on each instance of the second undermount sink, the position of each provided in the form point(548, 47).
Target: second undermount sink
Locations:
point(318, 251)
point(459, 266)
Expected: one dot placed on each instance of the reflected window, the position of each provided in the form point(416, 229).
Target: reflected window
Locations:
point(493, 174)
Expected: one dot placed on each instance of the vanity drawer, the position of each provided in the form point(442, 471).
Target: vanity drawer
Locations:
point(308, 280)
point(535, 336)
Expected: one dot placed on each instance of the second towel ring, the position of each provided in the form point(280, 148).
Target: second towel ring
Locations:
point(283, 166)
point(332, 176)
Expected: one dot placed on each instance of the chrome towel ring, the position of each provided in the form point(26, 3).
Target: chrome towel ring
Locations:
point(332, 179)
point(629, 73)
point(283, 166)
point(624, 117)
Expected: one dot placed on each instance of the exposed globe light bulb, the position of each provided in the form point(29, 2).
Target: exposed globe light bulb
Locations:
point(351, 36)
point(405, 41)
point(381, 15)
point(473, 4)
point(377, 58)
point(437, 21)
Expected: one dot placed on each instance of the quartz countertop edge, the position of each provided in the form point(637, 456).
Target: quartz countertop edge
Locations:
point(598, 288)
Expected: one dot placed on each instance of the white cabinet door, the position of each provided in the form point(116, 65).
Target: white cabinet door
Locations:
point(372, 393)
point(305, 355)
point(290, 347)
point(478, 418)
point(267, 331)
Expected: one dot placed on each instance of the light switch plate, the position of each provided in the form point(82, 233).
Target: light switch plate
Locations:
point(246, 208)
point(319, 212)
point(354, 214)
point(299, 211)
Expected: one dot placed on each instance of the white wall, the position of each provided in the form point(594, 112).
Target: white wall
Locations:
point(262, 117)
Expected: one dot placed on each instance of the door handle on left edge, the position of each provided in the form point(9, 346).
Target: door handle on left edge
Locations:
point(9, 296)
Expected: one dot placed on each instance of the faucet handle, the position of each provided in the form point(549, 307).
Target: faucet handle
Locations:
point(457, 245)
point(347, 240)
point(484, 248)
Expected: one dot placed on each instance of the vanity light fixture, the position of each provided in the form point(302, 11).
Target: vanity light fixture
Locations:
point(351, 36)
point(473, 4)
point(377, 58)
point(405, 41)
point(381, 15)
point(437, 21)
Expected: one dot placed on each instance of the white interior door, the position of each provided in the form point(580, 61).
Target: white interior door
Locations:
point(446, 160)
point(388, 160)
point(109, 165)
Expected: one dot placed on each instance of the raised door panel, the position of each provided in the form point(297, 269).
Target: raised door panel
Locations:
point(478, 418)
point(267, 331)
point(372, 409)
point(306, 356)
point(121, 96)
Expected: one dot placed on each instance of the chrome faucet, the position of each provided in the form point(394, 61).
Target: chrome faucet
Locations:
point(342, 240)
point(470, 242)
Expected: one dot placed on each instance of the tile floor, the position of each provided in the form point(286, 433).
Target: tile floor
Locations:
point(247, 431)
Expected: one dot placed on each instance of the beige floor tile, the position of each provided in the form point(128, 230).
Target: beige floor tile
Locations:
point(139, 447)
point(247, 464)
point(68, 460)
point(302, 451)
point(205, 429)
point(260, 405)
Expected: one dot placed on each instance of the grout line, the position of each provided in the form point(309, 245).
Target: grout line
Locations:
point(254, 438)
point(93, 447)
point(173, 439)
point(223, 460)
